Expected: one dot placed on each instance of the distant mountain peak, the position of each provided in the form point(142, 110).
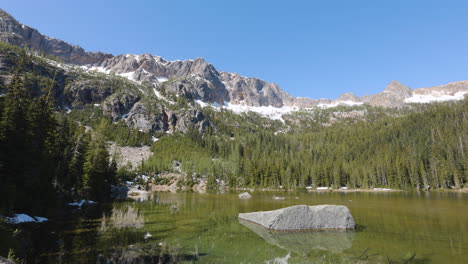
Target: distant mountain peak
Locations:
point(348, 97)
point(6, 15)
point(397, 87)
point(12, 32)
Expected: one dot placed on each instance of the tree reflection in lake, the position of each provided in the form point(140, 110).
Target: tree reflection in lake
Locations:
point(124, 239)
point(124, 218)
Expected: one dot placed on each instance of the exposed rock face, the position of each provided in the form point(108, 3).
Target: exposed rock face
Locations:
point(184, 121)
point(159, 119)
point(197, 89)
point(245, 195)
point(129, 155)
point(393, 95)
point(194, 79)
point(159, 67)
point(88, 92)
point(254, 92)
point(12, 32)
point(118, 105)
point(450, 88)
point(300, 242)
point(303, 217)
point(143, 118)
point(303, 102)
point(351, 97)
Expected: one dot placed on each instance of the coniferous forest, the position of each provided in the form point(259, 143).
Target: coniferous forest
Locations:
point(46, 158)
point(424, 147)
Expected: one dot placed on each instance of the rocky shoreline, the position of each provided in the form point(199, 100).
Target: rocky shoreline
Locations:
point(201, 187)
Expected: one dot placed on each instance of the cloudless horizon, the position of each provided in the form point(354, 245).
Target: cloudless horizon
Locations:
point(316, 49)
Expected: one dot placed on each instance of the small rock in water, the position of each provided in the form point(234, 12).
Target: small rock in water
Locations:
point(278, 198)
point(245, 195)
point(147, 236)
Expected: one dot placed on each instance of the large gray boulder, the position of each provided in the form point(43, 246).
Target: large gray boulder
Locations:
point(303, 217)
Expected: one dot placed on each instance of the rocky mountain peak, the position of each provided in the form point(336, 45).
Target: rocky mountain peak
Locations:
point(12, 32)
point(393, 95)
point(349, 97)
point(5, 17)
point(398, 88)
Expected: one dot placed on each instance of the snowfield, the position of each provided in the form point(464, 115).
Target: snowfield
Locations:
point(337, 103)
point(271, 112)
point(435, 97)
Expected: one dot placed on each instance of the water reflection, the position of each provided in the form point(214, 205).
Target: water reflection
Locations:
point(186, 227)
point(302, 242)
point(127, 218)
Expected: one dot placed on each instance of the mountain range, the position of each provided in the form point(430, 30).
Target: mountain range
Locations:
point(196, 80)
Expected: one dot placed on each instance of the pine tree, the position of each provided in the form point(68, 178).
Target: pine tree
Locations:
point(15, 132)
point(95, 169)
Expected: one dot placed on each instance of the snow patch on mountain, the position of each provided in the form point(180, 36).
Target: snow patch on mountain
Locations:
point(96, 69)
point(337, 103)
point(435, 97)
point(271, 112)
point(129, 75)
point(160, 96)
point(162, 79)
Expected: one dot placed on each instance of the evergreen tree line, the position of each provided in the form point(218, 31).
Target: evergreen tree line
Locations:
point(45, 158)
point(416, 149)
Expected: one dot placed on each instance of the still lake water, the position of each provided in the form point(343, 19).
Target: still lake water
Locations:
point(397, 227)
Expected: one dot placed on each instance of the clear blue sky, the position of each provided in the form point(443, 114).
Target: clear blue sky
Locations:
point(310, 48)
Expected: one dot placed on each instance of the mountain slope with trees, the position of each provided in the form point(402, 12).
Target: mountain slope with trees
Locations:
point(422, 147)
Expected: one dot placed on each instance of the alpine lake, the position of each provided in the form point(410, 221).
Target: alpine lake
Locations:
point(392, 227)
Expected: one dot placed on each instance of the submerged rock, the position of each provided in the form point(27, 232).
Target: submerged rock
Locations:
point(245, 195)
point(303, 217)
